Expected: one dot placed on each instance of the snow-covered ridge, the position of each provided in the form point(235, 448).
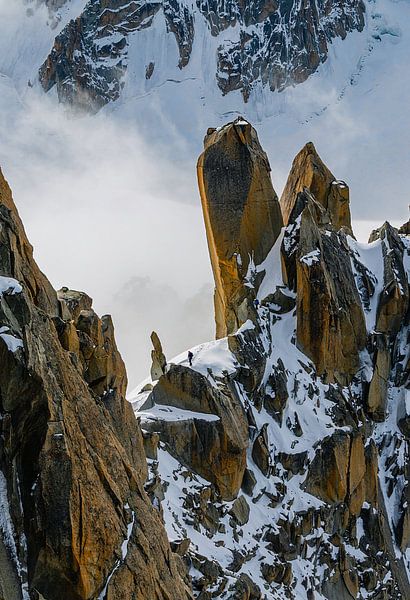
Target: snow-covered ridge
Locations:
point(249, 536)
point(249, 46)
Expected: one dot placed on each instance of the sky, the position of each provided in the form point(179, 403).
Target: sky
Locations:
point(110, 202)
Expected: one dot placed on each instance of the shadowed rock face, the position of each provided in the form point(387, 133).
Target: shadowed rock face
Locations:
point(394, 300)
point(71, 450)
point(331, 327)
point(242, 217)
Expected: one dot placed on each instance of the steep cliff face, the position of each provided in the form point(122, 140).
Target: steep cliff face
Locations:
point(316, 382)
point(263, 43)
point(75, 520)
point(240, 234)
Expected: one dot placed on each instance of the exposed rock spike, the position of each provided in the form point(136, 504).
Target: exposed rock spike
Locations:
point(159, 362)
point(329, 485)
point(309, 171)
point(242, 217)
point(394, 299)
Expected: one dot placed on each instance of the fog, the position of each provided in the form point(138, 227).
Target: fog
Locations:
point(107, 215)
point(111, 205)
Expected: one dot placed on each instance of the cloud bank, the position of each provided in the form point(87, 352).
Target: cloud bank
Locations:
point(111, 204)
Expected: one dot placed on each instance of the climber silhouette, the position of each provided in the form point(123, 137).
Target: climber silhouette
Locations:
point(190, 357)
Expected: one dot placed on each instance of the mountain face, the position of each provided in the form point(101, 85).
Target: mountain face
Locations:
point(278, 454)
point(260, 43)
point(75, 521)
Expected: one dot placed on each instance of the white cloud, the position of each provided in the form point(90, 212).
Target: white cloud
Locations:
point(111, 202)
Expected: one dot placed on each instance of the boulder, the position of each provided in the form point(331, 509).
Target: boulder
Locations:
point(260, 451)
point(242, 217)
point(159, 362)
point(248, 482)
point(240, 510)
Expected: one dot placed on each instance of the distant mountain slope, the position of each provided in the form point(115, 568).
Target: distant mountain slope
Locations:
point(251, 44)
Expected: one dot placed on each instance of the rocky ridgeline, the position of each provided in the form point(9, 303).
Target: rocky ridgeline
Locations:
point(279, 459)
point(264, 43)
point(75, 521)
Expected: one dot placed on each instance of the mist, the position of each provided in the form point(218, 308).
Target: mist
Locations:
point(110, 202)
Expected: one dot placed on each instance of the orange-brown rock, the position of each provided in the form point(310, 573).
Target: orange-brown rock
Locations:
point(242, 217)
point(92, 340)
point(377, 395)
point(394, 299)
point(72, 453)
point(338, 471)
point(17, 255)
point(357, 474)
point(309, 172)
point(371, 479)
point(328, 474)
point(215, 449)
point(331, 327)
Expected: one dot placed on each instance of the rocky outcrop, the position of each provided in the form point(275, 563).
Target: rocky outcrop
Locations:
point(377, 393)
point(314, 377)
point(338, 473)
point(91, 339)
point(394, 300)
point(404, 229)
point(308, 171)
point(76, 521)
point(270, 44)
point(159, 362)
point(242, 217)
point(316, 261)
point(215, 448)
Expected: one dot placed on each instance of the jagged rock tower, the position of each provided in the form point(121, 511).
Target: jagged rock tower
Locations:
point(286, 442)
point(240, 234)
